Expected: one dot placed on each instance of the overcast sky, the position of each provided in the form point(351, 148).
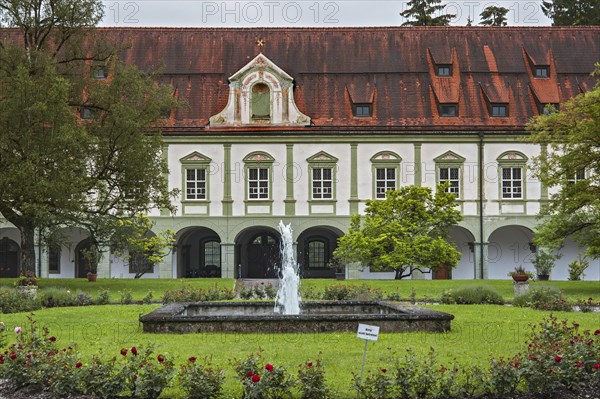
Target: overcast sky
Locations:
point(269, 13)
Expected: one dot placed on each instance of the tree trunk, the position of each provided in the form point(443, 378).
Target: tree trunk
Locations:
point(399, 274)
point(27, 248)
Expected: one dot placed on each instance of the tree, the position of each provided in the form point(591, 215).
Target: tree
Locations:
point(423, 10)
point(131, 239)
point(570, 167)
point(494, 16)
point(405, 232)
point(572, 12)
point(60, 169)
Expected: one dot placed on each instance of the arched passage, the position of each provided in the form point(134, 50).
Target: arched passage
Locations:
point(10, 260)
point(198, 253)
point(463, 240)
point(509, 247)
point(257, 252)
point(82, 265)
point(315, 251)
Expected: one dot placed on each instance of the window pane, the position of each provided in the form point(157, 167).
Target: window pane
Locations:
point(316, 254)
point(212, 253)
point(385, 180)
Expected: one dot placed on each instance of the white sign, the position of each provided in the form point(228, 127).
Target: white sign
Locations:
point(368, 332)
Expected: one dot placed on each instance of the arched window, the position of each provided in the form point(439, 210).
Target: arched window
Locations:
point(261, 101)
point(317, 254)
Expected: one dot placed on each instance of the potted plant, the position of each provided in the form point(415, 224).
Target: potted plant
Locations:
point(27, 284)
point(520, 274)
point(340, 270)
point(543, 264)
point(92, 257)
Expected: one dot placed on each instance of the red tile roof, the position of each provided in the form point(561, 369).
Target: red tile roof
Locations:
point(392, 66)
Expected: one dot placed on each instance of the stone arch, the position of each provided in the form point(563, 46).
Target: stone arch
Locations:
point(198, 252)
point(315, 250)
point(508, 247)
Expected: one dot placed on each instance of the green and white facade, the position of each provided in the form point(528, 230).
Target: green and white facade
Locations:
point(295, 144)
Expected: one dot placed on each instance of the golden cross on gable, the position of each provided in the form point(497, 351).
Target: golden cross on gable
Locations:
point(260, 42)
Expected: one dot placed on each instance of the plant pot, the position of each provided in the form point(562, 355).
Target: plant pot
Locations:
point(340, 276)
point(29, 290)
point(92, 276)
point(520, 277)
point(543, 277)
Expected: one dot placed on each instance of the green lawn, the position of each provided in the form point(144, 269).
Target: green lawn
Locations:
point(477, 332)
point(424, 289)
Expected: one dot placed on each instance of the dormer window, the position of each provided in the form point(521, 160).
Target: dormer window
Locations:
point(548, 109)
point(444, 70)
point(499, 110)
point(165, 113)
point(86, 113)
point(542, 72)
point(261, 101)
point(100, 72)
point(448, 110)
point(362, 110)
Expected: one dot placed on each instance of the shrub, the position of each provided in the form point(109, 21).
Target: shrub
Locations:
point(559, 356)
point(504, 377)
point(376, 385)
point(343, 292)
point(200, 380)
point(577, 268)
point(337, 292)
point(147, 374)
point(310, 293)
point(261, 380)
point(59, 297)
point(2, 335)
point(311, 380)
point(104, 378)
point(126, 297)
point(14, 301)
point(472, 295)
point(190, 294)
point(103, 297)
point(148, 298)
point(543, 298)
point(587, 305)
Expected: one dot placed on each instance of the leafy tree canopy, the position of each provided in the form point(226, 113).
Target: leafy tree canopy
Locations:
point(570, 168)
point(572, 12)
point(74, 150)
point(405, 232)
point(493, 16)
point(422, 13)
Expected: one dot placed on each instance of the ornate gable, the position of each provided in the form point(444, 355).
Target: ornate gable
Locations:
point(386, 156)
point(449, 156)
point(195, 157)
point(512, 156)
point(322, 156)
point(261, 94)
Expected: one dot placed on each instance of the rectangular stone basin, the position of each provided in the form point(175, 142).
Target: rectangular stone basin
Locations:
point(317, 316)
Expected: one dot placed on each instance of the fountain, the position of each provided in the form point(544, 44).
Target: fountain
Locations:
point(285, 315)
point(288, 295)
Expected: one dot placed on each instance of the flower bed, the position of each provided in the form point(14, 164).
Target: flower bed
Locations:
point(557, 359)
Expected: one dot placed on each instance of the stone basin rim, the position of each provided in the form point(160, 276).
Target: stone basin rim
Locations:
point(172, 312)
